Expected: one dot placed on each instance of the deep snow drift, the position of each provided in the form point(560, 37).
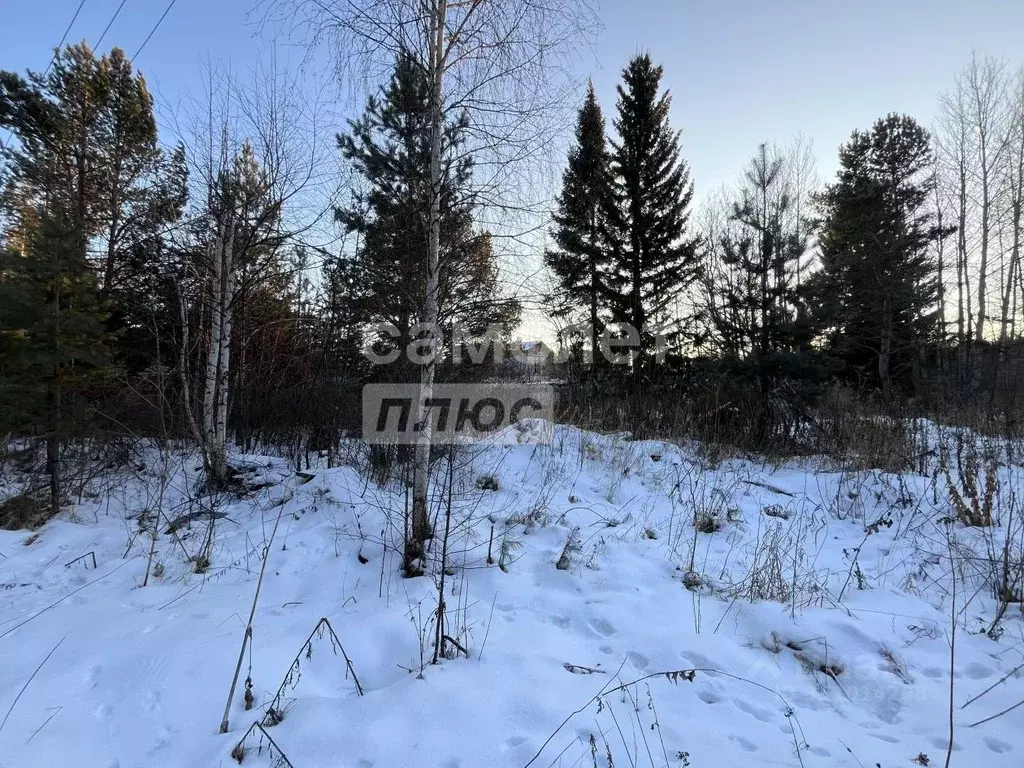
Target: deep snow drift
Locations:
point(812, 605)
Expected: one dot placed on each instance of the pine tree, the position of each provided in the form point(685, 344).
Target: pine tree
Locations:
point(646, 213)
point(580, 260)
point(86, 135)
point(389, 147)
point(131, 207)
point(877, 288)
point(53, 345)
point(755, 312)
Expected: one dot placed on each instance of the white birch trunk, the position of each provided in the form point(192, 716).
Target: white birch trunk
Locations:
point(421, 460)
point(215, 380)
point(216, 267)
point(224, 359)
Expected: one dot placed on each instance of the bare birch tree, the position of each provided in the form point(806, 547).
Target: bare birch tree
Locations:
point(802, 169)
point(497, 64)
point(250, 158)
point(984, 88)
point(1015, 208)
point(955, 158)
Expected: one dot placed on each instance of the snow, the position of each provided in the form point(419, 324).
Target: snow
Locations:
point(800, 656)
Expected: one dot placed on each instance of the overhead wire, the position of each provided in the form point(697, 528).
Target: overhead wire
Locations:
point(109, 24)
point(65, 36)
point(154, 29)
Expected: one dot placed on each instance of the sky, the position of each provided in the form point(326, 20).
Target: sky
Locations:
point(740, 71)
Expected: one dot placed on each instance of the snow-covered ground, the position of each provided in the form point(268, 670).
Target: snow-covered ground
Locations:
point(813, 607)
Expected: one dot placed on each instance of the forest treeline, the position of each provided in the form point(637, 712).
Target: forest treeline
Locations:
point(174, 291)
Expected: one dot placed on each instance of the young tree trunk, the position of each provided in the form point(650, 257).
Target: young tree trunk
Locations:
point(215, 381)
point(885, 351)
point(595, 289)
point(53, 447)
point(224, 360)
point(213, 354)
point(986, 206)
point(941, 266)
point(184, 376)
point(595, 354)
point(112, 229)
point(1016, 190)
point(421, 460)
point(961, 258)
point(1010, 313)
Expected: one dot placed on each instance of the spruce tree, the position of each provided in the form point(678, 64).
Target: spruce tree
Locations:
point(877, 289)
point(646, 211)
point(580, 260)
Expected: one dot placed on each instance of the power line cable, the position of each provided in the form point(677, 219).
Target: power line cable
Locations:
point(154, 29)
point(65, 37)
point(109, 24)
point(78, 10)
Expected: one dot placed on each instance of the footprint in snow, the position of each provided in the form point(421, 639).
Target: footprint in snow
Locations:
point(152, 700)
point(748, 745)
point(602, 627)
point(805, 701)
point(512, 743)
point(943, 743)
point(883, 737)
point(997, 746)
point(708, 697)
point(638, 660)
point(91, 675)
point(977, 671)
point(696, 660)
point(764, 715)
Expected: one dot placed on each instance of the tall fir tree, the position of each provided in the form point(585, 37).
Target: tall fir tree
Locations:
point(579, 262)
point(877, 289)
point(647, 209)
point(86, 135)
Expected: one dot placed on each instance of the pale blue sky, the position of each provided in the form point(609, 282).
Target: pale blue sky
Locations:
point(741, 71)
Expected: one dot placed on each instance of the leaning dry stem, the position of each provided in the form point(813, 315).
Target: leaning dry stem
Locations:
point(247, 637)
point(28, 682)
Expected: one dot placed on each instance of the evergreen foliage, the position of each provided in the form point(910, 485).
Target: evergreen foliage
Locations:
point(877, 290)
point(580, 260)
point(389, 148)
point(646, 213)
